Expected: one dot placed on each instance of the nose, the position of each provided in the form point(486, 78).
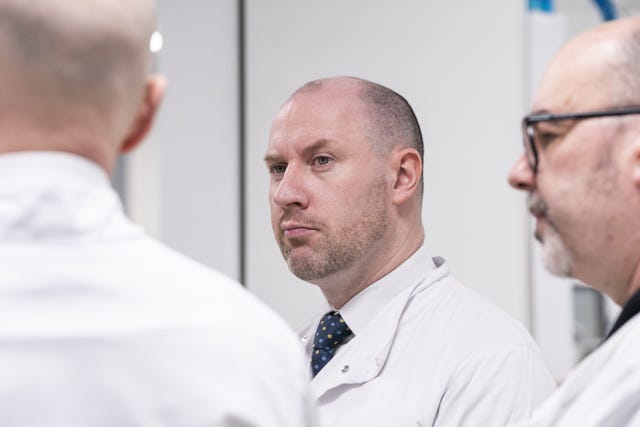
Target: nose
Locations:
point(521, 176)
point(290, 190)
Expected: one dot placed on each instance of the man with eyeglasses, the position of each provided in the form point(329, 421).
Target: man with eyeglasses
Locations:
point(581, 169)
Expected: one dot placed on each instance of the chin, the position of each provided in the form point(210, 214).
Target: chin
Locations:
point(555, 255)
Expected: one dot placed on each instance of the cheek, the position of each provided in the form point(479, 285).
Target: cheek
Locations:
point(358, 200)
point(557, 190)
point(272, 192)
point(573, 207)
point(276, 213)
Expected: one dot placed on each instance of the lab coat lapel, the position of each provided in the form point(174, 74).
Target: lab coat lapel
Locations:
point(362, 358)
point(359, 361)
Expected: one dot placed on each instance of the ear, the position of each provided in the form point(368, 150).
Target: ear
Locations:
point(154, 90)
point(407, 167)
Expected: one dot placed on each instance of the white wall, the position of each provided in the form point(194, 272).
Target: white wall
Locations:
point(460, 64)
point(183, 185)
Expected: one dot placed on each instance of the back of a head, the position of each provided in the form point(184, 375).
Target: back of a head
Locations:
point(61, 59)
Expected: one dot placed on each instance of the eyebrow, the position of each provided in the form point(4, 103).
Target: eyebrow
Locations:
point(271, 158)
point(538, 112)
point(316, 146)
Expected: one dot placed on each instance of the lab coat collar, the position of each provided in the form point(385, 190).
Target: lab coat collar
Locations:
point(55, 195)
point(360, 309)
point(376, 313)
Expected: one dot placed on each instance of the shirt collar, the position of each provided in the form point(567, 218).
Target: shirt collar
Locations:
point(57, 195)
point(360, 309)
point(27, 168)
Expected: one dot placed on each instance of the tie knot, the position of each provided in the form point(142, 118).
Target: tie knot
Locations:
point(332, 331)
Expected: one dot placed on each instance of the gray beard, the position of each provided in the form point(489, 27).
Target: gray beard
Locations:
point(555, 254)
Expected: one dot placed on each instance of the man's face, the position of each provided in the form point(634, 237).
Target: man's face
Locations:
point(329, 194)
point(577, 195)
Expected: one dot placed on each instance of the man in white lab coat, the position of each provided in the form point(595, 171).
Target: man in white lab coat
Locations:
point(581, 168)
point(402, 343)
point(99, 324)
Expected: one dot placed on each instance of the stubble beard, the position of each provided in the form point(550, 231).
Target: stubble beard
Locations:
point(344, 246)
point(556, 256)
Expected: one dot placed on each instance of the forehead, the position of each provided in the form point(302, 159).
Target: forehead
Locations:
point(327, 114)
point(580, 78)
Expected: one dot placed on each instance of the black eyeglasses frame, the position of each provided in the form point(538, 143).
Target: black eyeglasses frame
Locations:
point(529, 120)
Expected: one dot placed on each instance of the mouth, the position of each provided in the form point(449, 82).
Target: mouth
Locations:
point(538, 233)
point(295, 231)
point(537, 213)
point(538, 209)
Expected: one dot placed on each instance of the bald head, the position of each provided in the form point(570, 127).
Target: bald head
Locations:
point(391, 121)
point(75, 77)
point(58, 57)
point(605, 59)
point(629, 71)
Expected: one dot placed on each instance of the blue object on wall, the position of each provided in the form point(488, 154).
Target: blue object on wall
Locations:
point(541, 5)
point(607, 9)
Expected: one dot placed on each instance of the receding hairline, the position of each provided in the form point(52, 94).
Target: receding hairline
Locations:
point(390, 119)
point(315, 86)
point(369, 94)
point(612, 49)
point(629, 72)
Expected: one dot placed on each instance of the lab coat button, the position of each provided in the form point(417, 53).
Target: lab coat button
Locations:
point(345, 368)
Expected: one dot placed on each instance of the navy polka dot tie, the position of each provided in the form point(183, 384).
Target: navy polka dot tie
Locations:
point(332, 331)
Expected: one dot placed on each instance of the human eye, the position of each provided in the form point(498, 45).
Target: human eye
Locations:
point(543, 139)
point(545, 135)
point(321, 160)
point(277, 169)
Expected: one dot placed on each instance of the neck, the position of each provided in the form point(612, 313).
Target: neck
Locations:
point(380, 260)
point(21, 135)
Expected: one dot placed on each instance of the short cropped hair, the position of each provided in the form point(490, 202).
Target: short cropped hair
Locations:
point(393, 121)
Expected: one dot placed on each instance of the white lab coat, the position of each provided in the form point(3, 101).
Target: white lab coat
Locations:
point(602, 391)
point(101, 326)
point(428, 351)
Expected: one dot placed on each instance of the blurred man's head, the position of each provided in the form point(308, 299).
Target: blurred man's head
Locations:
point(583, 174)
point(78, 74)
point(345, 158)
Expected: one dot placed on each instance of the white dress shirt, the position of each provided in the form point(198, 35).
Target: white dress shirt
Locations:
point(103, 326)
point(603, 391)
point(428, 351)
